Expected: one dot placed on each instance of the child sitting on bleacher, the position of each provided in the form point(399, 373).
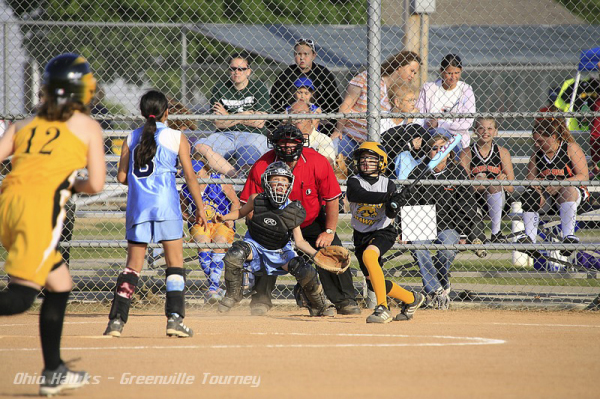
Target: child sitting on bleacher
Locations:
point(486, 160)
point(217, 198)
point(305, 92)
point(557, 157)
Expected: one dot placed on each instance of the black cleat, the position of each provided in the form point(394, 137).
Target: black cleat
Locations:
point(569, 240)
point(348, 310)
point(115, 327)
point(498, 238)
point(531, 252)
point(176, 328)
point(409, 309)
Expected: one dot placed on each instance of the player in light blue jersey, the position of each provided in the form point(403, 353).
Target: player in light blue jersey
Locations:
point(148, 167)
point(218, 199)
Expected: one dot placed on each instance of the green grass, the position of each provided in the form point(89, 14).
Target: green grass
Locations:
point(589, 10)
point(512, 281)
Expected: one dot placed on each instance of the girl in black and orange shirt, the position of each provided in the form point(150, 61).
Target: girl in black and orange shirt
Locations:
point(557, 157)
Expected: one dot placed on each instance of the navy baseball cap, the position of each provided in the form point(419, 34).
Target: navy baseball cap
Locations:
point(303, 81)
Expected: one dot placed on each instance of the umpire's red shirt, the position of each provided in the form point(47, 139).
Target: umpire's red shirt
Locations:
point(314, 181)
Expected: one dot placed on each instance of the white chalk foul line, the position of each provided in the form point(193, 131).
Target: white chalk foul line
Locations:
point(468, 341)
point(65, 323)
point(548, 325)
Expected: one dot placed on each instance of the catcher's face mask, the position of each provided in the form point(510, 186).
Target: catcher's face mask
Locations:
point(279, 188)
point(277, 182)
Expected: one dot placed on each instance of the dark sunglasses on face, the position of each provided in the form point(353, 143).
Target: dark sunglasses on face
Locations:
point(239, 69)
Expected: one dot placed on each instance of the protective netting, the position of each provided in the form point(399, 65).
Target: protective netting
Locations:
point(222, 60)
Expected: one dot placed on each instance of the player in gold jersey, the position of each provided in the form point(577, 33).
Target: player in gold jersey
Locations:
point(47, 150)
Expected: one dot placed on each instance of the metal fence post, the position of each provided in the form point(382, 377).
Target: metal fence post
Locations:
point(374, 70)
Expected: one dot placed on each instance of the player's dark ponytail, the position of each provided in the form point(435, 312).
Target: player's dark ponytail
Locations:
point(153, 106)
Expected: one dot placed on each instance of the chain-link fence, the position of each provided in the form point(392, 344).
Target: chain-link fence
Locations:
point(223, 63)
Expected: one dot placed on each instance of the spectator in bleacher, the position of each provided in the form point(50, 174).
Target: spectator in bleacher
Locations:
point(552, 95)
point(305, 91)
point(403, 98)
point(402, 134)
point(486, 160)
point(243, 140)
point(99, 109)
point(449, 94)
point(399, 68)
point(458, 221)
point(319, 142)
point(327, 95)
point(557, 157)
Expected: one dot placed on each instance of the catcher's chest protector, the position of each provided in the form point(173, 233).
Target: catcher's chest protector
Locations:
point(272, 228)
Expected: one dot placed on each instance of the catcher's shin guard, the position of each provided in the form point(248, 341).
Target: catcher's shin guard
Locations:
point(234, 266)
point(310, 293)
point(124, 290)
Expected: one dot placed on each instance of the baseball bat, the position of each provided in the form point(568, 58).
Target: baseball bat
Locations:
point(435, 161)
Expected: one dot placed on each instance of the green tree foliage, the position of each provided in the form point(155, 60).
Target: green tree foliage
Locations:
point(589, 10)
point(132, 52)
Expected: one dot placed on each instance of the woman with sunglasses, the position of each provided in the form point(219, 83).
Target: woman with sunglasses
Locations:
point(449, 94)
point(243, 140)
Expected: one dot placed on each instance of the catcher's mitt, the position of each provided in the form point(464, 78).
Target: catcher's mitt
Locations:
point(334, 259)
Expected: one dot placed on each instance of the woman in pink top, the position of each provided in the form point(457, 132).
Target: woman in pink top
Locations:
point(449, 94)
point(398, 68)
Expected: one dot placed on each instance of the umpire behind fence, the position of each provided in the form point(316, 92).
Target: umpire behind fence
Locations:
point(317, 189)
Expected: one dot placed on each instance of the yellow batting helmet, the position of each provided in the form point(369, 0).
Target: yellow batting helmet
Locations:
point(373, 148)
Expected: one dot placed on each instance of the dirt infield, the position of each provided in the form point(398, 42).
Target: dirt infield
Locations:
point(458, 353)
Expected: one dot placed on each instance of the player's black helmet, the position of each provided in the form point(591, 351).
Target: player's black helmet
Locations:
point(277, 169)
point(68, 77)
point(286, 133)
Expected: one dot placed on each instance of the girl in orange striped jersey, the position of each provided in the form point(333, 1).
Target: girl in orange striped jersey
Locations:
point(557, 157)
point(486, 160)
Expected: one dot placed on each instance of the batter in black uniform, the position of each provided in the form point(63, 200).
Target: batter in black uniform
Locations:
point(369, 194)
